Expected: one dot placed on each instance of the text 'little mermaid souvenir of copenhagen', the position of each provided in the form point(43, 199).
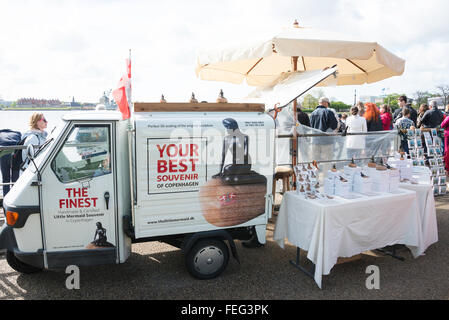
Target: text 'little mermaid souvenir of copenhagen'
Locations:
point(236, 194)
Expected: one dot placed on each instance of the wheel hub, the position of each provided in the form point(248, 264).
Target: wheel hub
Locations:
point(208, 260)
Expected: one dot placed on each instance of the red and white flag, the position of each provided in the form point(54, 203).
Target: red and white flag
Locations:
point(122, 95)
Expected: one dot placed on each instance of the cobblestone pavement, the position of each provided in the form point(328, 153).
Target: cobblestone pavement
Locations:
point(156, 271)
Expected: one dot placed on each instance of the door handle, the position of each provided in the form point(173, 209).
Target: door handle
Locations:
point(106, 198)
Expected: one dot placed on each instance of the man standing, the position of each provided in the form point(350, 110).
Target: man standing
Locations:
point(433, 117)
point(323, 118)
point(402, 103)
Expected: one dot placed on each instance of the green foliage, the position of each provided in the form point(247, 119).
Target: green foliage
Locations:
point(309, 102)
point(392, 100)
point(340, 106)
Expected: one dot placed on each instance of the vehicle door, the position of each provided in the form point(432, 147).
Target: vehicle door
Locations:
point(78, 198)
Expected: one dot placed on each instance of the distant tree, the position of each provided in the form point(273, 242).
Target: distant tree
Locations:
point(309, 102)
point(340, 106)
point(421, 97)
point(443, 90)
point(392, 100)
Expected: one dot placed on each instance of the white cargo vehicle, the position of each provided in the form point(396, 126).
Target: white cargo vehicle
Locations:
point(196, 176)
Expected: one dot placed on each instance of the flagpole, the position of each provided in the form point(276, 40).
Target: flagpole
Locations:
point(130, 142)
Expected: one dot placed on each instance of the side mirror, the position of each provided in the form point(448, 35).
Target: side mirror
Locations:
point(30, 152)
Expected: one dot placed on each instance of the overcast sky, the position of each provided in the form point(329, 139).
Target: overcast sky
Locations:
point(60, 48)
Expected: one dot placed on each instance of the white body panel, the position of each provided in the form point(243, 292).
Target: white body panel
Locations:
point(29, 238)
point(163, 208)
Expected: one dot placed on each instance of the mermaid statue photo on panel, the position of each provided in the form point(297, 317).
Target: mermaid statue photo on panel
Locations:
point(236, 194)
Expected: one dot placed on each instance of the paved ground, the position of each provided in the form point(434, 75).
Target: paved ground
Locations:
point(156, 271)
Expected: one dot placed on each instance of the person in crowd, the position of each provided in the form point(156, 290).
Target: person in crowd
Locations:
point(361, 107)
point(404, 123)
point(445, 126)
point(446, 111)
point(433, 117)
point(402, 103)
point(323, 118)
point(9, 174)
point(303, 118)
point(37, 135)
point(386, 117)
point(341, 124)
point(421, 111)
point(344, 117)
point(355, 145)
point(372, 116)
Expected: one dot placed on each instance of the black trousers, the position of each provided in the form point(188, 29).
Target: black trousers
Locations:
point(8, 175)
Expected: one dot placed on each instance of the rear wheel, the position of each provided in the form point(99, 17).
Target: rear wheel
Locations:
point(207, 259)
point(18, 265)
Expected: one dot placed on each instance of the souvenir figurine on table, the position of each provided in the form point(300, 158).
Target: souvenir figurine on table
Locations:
point(411, 144)
point(372, 163)
point(412, 153)
point(410, 134)
point(163, 99)
point(221, 98)
point(193, 99)
point(352, 164)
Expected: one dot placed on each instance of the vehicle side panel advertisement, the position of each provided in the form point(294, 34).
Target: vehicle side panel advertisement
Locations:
point(203, 177)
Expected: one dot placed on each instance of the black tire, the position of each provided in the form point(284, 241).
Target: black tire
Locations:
point(18, 265)
point(207, 258)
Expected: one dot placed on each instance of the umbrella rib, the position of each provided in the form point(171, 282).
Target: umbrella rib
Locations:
point(356, 66)
point(303, 63)
point(253, 66)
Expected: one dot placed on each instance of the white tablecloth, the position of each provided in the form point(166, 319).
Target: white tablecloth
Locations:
point(426, 205)
point(343, 228)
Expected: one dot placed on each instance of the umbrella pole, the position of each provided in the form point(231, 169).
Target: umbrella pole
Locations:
point(295, 133)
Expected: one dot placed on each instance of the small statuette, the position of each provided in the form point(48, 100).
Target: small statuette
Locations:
point(193, 99)
point(163, 99)
point(221, 98)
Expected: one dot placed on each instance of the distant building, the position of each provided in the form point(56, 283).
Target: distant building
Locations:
point(74, 104)
point(371, 99)
point(38, 103)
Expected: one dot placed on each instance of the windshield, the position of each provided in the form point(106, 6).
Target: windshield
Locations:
point(46, 147)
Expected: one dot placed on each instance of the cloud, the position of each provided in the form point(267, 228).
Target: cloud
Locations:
point(61, 48)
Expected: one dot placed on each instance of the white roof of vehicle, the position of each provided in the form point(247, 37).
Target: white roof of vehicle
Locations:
point(93, 115)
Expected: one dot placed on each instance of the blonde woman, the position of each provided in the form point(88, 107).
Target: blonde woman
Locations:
point(37, 135)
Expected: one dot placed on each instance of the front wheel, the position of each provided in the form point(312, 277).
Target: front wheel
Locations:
point(18, 265)
point(207, 259)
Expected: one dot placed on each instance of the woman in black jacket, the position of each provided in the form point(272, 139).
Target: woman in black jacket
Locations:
point(372, 116)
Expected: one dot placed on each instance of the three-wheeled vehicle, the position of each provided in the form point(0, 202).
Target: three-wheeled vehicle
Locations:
point(196, 176)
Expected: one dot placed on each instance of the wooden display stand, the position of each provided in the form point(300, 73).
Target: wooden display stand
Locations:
point(198, 107)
